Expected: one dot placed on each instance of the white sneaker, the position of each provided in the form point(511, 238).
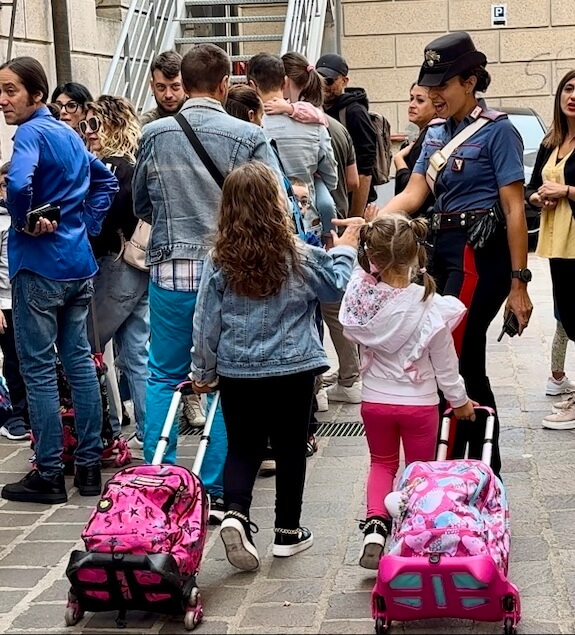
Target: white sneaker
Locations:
point(193, 414)
point(346, 394)
point(322, 404)
point(559, 386)
point(564, 420)
point(136, 447)
point(559, 406)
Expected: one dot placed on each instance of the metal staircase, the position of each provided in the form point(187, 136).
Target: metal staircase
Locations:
point(241, 27)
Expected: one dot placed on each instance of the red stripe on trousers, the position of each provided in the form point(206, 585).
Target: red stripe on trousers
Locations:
point(466, 294)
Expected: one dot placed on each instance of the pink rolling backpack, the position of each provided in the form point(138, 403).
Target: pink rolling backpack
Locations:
point(144, 540)
point(449, 547)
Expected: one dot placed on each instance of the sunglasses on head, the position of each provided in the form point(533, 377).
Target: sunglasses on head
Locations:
point(70, 106)
point(92, 124)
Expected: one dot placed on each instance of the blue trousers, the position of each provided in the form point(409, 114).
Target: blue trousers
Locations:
point(50, 313)
point(171, 317)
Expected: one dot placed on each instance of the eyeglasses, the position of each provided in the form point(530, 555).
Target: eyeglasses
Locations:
point(70, 106)
point(92, 124)
point(303, 201)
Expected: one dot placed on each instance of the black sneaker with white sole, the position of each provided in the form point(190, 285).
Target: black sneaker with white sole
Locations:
point(236, 532)
point(375, 530)
point(288, 542)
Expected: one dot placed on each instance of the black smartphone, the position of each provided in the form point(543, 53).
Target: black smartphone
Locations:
point(51, 212)
point(510, 326)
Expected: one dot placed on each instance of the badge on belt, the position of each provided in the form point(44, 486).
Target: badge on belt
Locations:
point(457, 165)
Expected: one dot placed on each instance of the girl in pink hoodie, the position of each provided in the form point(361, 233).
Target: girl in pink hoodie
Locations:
point(407, 353)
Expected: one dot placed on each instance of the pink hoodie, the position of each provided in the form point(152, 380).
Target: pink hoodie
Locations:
point(406, 345)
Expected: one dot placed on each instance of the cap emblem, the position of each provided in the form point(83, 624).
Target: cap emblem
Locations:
point(431, 57)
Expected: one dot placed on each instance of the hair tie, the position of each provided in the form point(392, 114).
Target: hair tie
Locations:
point(310, 68)
point(422, 270)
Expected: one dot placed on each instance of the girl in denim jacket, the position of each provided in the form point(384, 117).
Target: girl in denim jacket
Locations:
point(255, 339)
point(407, 352)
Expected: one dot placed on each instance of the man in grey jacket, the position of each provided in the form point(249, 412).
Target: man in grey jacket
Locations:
point(175, 192)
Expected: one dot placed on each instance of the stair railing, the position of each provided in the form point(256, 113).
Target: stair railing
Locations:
point(152, 26)
point(147, 29)
point(305, 22)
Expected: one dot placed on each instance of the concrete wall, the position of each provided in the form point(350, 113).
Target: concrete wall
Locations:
point(93, 41)
point(383, 42)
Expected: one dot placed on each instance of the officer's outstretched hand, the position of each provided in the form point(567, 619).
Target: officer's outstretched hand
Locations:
point(350, 236)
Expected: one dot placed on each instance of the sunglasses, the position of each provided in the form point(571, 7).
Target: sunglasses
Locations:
point(92, 124)
point(329, 81)
point(70, 106)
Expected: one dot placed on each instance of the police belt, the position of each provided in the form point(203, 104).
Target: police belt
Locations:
point(456, 220)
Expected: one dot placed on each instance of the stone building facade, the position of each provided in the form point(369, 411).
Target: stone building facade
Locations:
point(94, 31)
point(383, 42)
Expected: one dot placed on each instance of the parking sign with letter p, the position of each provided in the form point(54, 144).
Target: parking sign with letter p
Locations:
point(498, 15)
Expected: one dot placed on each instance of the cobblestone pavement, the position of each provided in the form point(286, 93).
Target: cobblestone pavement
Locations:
point(323, 590)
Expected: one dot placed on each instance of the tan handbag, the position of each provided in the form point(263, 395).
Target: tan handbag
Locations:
point(134, 250)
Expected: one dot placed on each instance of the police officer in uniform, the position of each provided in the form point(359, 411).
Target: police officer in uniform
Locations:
point(480, 181)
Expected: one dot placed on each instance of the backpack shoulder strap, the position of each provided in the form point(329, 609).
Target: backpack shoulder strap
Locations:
point(342, 115)
point(200, 150)
point(438, 160)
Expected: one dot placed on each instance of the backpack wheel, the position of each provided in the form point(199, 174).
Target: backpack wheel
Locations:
point(193, 617)
point(381, 626)
point(194, 600)
point(73, 615)
point(509, 627)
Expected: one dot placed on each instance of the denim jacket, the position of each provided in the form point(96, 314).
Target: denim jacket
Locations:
point(248, 338)
point(172, 188)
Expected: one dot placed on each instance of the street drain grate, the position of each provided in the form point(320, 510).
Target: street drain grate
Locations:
point(343, 429)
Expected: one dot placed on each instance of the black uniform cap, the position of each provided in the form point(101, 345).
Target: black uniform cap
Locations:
point(448, 56)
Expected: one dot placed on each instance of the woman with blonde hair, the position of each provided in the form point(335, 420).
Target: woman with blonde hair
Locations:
point(254, 335)
point(112, 132)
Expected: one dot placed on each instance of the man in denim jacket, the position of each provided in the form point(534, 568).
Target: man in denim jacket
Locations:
point(51, 265)
point(174, 191)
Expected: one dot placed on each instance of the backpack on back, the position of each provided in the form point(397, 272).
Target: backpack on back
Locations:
point(383, 157)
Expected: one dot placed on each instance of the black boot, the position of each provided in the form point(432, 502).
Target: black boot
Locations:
point(88, 480)
point(33, 488)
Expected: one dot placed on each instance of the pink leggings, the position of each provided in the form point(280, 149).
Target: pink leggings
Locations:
point(385, 425)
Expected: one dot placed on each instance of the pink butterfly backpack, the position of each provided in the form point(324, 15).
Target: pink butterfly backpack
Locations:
point(456, 507)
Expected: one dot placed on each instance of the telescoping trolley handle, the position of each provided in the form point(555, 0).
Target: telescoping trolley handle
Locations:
point(185, 388)
point(487, 440)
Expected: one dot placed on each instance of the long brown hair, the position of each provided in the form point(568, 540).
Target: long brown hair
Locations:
point(559, 128)
point(305, 77)
point(395, 243)
point(254, 244)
